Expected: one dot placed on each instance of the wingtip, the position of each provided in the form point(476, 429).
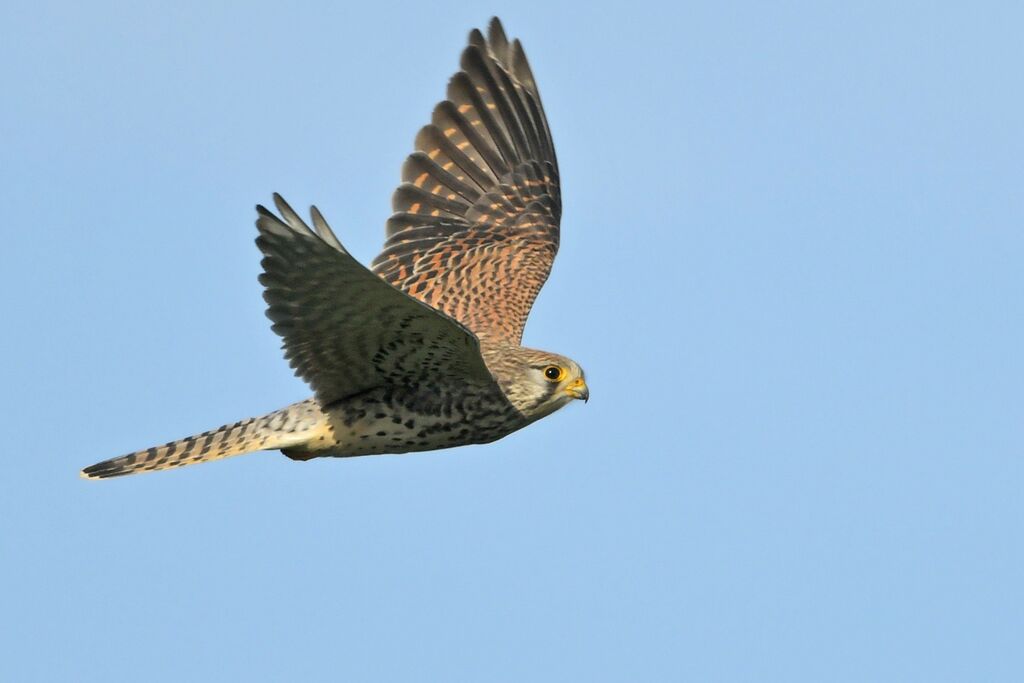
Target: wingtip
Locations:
point(498, 39)
point(319, 222)
point(282, 206)
point(323, 230)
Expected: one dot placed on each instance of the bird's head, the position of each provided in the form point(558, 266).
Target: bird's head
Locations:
point(538, 383)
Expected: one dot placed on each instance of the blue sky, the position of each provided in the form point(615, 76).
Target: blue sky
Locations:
point(791, 266)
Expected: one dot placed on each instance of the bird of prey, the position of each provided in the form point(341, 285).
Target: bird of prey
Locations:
point(421, 351)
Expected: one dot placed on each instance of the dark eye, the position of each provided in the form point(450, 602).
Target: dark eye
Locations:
point(553, 373)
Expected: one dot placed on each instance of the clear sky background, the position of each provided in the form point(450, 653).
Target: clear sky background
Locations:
point(791, 266)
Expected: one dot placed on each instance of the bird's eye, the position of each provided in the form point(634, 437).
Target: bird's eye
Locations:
point(554, 373)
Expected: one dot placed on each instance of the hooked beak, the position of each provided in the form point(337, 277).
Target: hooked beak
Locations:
point(578, 389)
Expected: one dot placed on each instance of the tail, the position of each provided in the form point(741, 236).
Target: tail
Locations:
point(285, 428)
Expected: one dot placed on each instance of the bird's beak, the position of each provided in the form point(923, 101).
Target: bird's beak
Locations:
point(578, 389)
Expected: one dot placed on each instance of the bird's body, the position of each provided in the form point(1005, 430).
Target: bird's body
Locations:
point(408, 419)
point(422, 352)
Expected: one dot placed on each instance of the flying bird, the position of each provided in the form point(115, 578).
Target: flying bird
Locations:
point(422, 350)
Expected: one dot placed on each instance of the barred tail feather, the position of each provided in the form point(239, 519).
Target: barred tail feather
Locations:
point(276, 430)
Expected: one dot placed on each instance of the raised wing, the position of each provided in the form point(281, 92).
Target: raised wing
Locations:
point(476, 225)
point(345, 330)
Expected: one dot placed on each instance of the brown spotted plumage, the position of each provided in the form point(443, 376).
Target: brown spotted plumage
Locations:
point(475, 228)
point(421, 352)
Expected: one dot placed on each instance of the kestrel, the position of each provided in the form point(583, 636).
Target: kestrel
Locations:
point(421, 351)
